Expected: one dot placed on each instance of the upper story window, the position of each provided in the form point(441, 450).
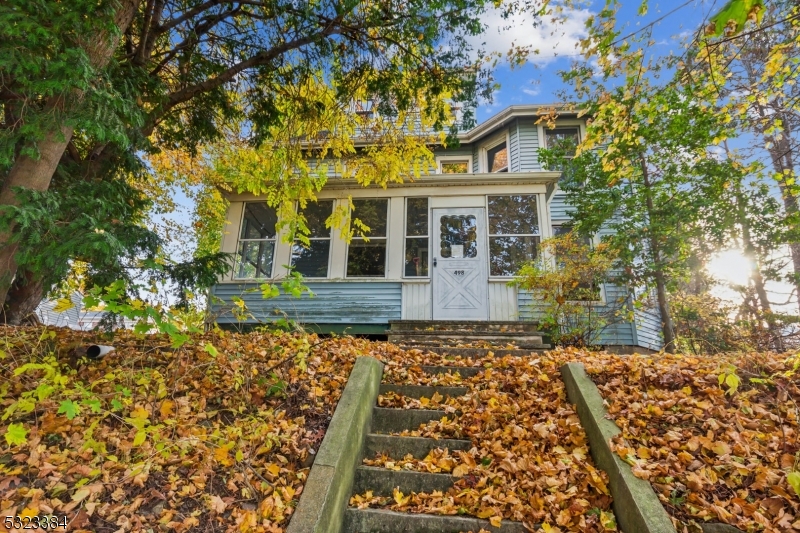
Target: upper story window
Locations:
point(311, 260)
point(513, 233)
point(587, 289)
point(366, 256)
point(452, 164)
point(497, 158)
point(256, 249)
point(566, 138)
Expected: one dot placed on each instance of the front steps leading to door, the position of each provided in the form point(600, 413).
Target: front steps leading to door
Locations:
point(429, 334)
point(381, 481)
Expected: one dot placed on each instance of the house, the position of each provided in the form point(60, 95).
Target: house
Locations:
point(442, 247)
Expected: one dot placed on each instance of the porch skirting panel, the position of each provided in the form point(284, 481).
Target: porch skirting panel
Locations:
point(352, 302)
point(417, 299)
point(502, 301)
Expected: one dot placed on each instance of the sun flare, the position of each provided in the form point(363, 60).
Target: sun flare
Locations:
point(730, 267)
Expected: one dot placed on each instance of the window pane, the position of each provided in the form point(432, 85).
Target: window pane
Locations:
point(417, 216)
point(513, 215)
point(312, 261)
point(316, 214)
point(259, 221)
point(455, 167)
point(507, 254)
point(497, 158)
point(416, 257)
point(366, 258)
point(254, 259)
point(458, 236)
point(372, 213)
point(563, 138)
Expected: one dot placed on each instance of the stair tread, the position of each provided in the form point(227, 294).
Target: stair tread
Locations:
point(387, 521)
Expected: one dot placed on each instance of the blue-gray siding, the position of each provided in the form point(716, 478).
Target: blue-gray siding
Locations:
point(351, 302)
point(513, 147)
point(648, 328)
point(528, 145)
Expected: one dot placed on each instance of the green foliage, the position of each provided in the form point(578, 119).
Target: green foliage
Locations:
point(566, 279)
point(731, 18)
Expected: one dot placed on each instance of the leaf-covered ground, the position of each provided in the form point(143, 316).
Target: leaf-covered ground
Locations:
point(530, 460)
point(715, 445)
point(211, 437)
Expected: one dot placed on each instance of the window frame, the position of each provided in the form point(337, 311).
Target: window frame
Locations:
point(450, 158)
point(539, 213)
point(561, 124)
point(239, 240)
point(406, 237)
point(329, 238)
point(494, 142)
point(384, 238)
point(593, 242)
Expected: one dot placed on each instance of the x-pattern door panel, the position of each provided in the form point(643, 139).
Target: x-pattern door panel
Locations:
point(460, 282)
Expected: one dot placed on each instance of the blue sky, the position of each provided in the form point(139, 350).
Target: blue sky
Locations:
point(538, 81)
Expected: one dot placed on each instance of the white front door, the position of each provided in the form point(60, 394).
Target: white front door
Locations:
point(460, 281)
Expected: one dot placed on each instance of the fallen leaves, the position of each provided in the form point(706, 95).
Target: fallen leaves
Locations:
point(151, 438)
point(529, 461)
point(714, 445)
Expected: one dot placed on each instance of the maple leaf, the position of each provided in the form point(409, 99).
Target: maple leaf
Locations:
point(69, 408)
point(16, 434)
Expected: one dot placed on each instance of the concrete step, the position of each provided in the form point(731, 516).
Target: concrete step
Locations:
point(465, 336)
point(384, 521)
point(478, 352)
point(463, 371)
point(422, 391)
point(419, 447)
point(382, 481)
point(388, 420)
point(463, 326)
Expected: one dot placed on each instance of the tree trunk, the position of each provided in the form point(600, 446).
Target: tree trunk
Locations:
point(23, 298)
point(36, 174)
point(667, 327)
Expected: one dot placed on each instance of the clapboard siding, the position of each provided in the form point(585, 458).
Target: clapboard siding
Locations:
point(513, 147)
point(528, 146)
point(620, 333)
point(502, 301)
point(417, 301)
point(333, 303)
point(648, 328)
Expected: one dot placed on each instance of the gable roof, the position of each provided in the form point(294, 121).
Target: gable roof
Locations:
point(511, 112)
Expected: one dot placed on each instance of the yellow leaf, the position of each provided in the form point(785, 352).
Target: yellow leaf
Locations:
point(63, 304)
point(461, 471)
point(140, 437)
point(140, 412)
point(400, 498)
point(166, 409)
point(495, 521)
point(81, 495)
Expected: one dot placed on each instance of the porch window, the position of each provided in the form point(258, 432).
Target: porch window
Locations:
point(366, 256)
point(416, 262)
point(513, 233)
point(311, 260)
point(256, 249)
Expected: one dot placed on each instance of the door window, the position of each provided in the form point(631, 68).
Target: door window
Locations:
point(459, 236)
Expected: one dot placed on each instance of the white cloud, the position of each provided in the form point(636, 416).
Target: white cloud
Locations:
point(532, 92)
point(550, 38)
